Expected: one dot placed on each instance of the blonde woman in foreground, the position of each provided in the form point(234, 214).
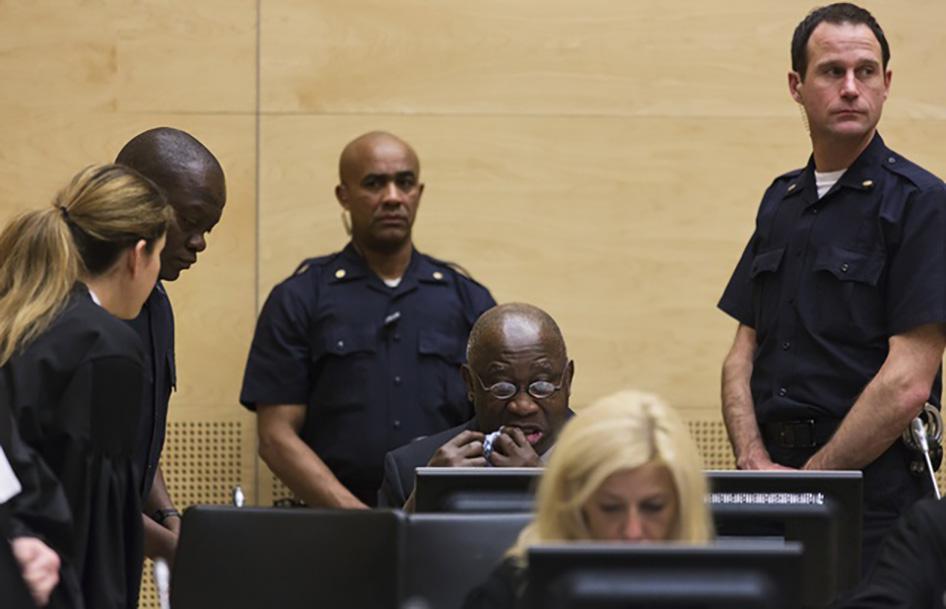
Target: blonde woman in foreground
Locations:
point(624, 469)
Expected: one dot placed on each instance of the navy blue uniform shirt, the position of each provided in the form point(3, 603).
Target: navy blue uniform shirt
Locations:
point(826, 282)
point(155, 327)
point(376, 366)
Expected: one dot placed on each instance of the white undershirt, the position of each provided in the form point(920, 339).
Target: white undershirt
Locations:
point(95, 298)
point(392, 283)
point(825, 180)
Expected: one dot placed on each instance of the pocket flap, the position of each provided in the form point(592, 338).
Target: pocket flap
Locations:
point(342, 340)
point(767, 262)
point(431, 342)
point(849, 265)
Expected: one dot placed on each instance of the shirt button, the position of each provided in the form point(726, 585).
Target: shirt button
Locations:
point(340, 344)
point(844, 268)
point(782, 391)
point(815, 211)
point(396, 423)
point(397, 337)
point(397, 380)
point(787, 345)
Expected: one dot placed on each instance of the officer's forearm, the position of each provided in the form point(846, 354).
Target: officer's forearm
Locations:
point(738, 409)
point(158, 496)
point(304, 472)
point(159, 542)
point(888, 403)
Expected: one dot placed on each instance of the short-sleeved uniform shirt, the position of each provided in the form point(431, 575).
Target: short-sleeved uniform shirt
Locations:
point(376, 366)
point(155, 327)
point(825, 283)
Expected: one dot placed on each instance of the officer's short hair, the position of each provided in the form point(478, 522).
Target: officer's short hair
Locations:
point(838, 13)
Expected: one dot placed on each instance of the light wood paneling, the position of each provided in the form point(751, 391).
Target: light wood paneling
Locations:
point(542, 57)
point(145, 56)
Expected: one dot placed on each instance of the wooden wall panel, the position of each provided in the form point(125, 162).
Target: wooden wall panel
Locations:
point(142, 56)
point(542, 57)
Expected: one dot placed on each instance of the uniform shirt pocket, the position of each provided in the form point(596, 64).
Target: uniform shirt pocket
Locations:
point(343, 359)
point(442, 391)
point(849, 301)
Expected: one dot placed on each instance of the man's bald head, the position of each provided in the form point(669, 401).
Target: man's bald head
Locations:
point(367, 146)
point(516, 352)
point(169, 157)
point(193, 182)
point(514, 322)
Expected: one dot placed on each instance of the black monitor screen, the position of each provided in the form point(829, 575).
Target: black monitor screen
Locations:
point(620, 576)
point(798, 506)
point(476, 489)
point(247, 558)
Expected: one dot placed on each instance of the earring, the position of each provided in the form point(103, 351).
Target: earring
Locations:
point(346, 221)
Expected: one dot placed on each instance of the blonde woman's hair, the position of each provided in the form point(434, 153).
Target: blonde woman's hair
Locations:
point(620, 432)
point(104, 210)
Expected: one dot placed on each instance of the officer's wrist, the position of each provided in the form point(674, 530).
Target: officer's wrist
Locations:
point(160, 515)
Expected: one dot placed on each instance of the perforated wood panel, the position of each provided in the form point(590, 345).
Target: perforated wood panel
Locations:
point(202, 463)
point(711, 440)
point(279, 490)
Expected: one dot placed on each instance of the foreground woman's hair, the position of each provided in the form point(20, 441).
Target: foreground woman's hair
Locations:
point(102, 212)
point(620, 432)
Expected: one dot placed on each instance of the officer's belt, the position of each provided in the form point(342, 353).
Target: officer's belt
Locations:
point(800, 433)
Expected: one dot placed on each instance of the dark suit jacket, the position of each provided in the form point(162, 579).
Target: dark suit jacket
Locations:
point(399, 464)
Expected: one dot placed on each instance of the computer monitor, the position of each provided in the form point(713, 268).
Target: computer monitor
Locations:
point(481, 490)
point(740, 500)
point(665, 576)
point(243, 558)
point(815, 526)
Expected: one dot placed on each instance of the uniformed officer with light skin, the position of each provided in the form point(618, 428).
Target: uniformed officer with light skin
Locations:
point(839, 294)
point(359, 352)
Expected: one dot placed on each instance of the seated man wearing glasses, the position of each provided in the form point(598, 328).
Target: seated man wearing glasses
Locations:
point(519, 378)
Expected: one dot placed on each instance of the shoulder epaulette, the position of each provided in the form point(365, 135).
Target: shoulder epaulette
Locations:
point(456, 267)
point(789, 175)
point(310, 262)
point(907, 169)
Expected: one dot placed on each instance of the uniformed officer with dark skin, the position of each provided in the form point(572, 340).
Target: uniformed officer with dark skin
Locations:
point(359, 352)
point(839, 294)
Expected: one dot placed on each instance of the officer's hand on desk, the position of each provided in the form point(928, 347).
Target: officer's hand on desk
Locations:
point(512, 449)
point(464, 450)
point(759, 460)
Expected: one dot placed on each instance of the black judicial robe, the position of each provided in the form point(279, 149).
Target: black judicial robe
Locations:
point(76, 394)
point(41, 511)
